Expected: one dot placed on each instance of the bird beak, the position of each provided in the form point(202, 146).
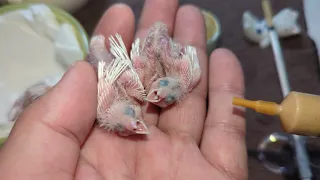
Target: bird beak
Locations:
point(141, 128)
point(157, 98)
point(154, 96)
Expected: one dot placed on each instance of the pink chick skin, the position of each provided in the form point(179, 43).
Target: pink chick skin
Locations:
point(168, 70)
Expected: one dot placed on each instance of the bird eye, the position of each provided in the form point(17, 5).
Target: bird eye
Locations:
point(164, 82)
point(170, 99)
point(259, 31)
point(130, 112)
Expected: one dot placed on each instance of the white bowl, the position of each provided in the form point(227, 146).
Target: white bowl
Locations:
point(68, 5)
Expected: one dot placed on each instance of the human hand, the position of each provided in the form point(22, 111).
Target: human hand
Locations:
point(54, 138)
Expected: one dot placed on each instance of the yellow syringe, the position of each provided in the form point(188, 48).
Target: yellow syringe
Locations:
point(299, 113)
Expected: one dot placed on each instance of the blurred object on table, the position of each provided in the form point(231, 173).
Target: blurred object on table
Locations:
point(68, 5)
point(213, 30)
point(312, 14)
point(276, 153)
point(256, 30)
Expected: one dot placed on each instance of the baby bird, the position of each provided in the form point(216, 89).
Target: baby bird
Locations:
point(169, 71)
point(120, 91)
point(28, 96)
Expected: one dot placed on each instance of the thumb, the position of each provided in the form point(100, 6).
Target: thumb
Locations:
point(45, 141)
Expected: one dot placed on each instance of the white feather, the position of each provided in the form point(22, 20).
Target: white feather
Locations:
point(135, 49)
point(119, 51)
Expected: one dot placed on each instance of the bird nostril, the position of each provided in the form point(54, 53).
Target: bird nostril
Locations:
point(136, 128)
point(156, 95)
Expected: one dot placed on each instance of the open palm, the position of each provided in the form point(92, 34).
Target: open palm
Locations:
point(54, 138)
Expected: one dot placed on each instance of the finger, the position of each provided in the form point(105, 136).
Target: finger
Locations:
point(153, 11)
point(157, 10)
point(188, 116)
point(46, 138)
point(119, 18)
point(223, 141)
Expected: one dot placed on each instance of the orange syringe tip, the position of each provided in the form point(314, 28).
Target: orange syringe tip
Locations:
point(263, 107)
point(244, 103)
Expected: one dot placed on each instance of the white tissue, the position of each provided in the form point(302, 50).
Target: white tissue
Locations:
point(40, 21)
point(285, 23)
point(67, 46)
point(6, 98)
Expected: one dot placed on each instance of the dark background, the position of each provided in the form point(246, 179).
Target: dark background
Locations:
point(258, 64)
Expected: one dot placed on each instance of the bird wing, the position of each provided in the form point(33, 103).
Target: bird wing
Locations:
point(107, 77)
point(130, 78)
point(189, 67)
point(135, 49)
point(156, 48)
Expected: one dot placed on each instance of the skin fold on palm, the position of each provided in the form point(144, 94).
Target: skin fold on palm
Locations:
point(158, 156)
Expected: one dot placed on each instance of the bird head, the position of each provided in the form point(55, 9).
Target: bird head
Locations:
point(129, 119)
point(165, 91)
